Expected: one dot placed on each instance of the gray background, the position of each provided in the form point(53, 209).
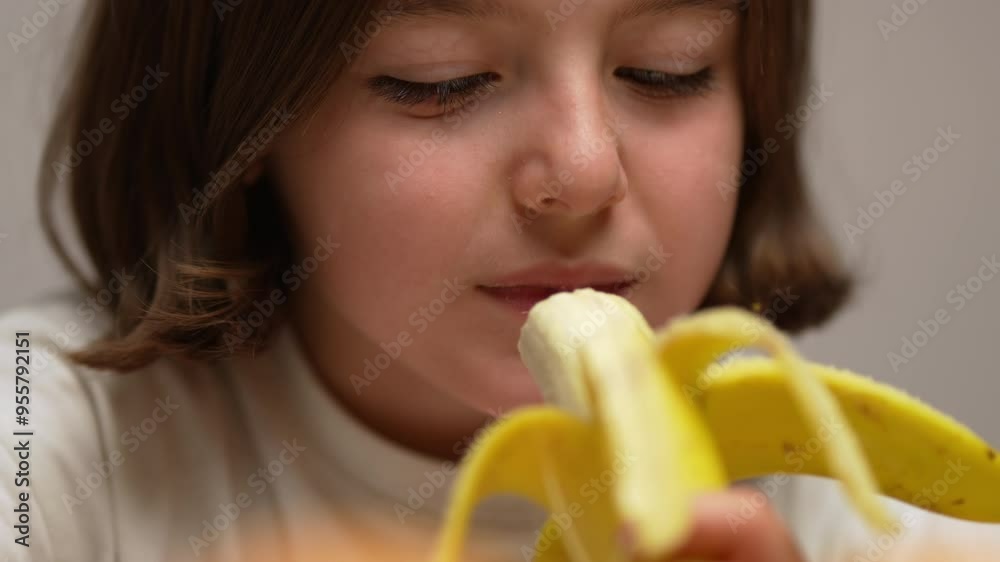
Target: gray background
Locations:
point(890, 97)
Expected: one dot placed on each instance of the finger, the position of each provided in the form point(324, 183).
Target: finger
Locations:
point(739, 525)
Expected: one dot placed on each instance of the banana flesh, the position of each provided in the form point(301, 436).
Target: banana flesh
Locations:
point(660, 413)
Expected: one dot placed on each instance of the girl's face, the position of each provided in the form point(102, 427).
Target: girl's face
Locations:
point(580, 145)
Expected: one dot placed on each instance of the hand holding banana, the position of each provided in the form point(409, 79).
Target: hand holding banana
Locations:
point(764, 539)
point(635, 408)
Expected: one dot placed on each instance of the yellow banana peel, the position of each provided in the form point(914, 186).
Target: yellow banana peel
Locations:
point(637, 423)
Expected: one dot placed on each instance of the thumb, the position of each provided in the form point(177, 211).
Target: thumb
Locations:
point(727, 530)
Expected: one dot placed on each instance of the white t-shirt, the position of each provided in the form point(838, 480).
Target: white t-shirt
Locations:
point(183, 461)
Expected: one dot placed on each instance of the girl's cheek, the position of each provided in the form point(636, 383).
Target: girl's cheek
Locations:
point(675, 173)
point(403, 211)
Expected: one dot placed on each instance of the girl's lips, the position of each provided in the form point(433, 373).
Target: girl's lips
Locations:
point(522, 297)
point(524, 288)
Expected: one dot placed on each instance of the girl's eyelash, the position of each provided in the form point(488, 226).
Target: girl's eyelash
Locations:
point(448, 92)
point(451, 93)
point(665, 85)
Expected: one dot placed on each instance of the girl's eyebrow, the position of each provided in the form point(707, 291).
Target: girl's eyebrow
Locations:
point(480, 10)
point(477, 10)
point(642, 8)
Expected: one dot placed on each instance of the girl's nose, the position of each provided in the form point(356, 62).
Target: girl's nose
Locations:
point(569, 160)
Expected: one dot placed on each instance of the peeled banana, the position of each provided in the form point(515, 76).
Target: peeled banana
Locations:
point(635, 409)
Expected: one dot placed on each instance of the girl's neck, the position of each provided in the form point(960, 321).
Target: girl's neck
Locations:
point(397, 404)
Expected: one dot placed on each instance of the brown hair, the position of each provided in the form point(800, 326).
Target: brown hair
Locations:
point(153, 193)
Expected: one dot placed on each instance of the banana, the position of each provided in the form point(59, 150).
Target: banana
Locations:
point(664, 416)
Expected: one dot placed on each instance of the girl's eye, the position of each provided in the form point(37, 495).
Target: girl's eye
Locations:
point(664, 85)
point(448, 95)
point(452, 94)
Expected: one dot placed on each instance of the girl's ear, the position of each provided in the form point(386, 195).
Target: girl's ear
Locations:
point(253, 172)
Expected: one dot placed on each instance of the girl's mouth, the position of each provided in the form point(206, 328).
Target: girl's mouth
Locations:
point(523, 289)
point(522, 298)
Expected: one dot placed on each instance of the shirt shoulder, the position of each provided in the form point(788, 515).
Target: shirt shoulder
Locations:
point(50, 434)
point(108, 454)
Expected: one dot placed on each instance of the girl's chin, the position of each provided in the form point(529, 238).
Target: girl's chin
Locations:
point(502, 384)
point(512, 395)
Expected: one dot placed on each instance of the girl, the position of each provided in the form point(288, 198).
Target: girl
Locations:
point(312, 231)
